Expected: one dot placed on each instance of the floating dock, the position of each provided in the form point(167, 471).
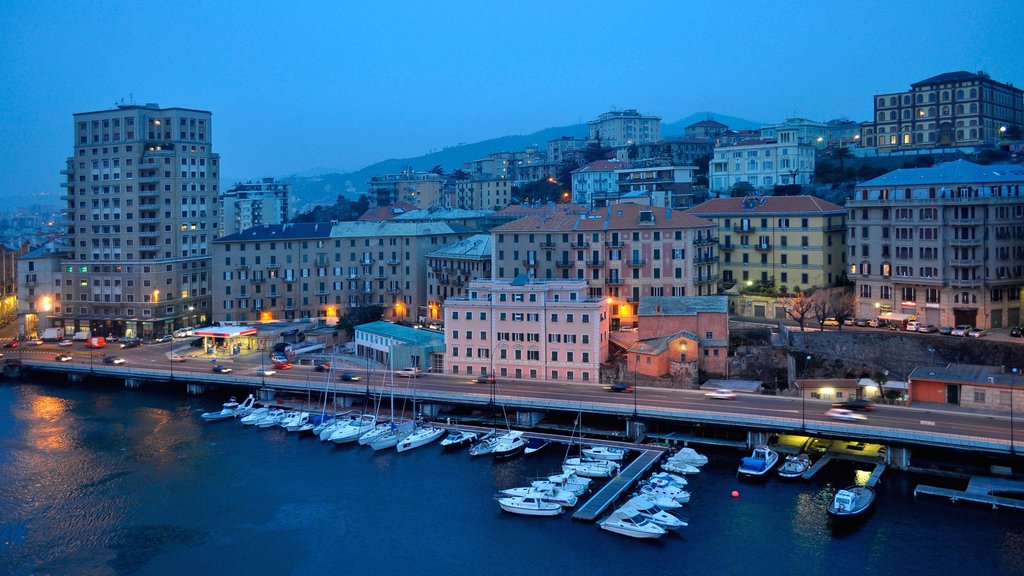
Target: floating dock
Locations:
point(611, 491)
point(980, 491)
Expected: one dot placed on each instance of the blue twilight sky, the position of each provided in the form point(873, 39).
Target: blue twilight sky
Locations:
point(339, 85)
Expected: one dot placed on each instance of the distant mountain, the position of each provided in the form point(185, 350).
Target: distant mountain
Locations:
point(323, 189)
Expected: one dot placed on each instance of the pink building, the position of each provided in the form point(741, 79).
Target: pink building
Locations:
point(691, 330)
point(525, 328)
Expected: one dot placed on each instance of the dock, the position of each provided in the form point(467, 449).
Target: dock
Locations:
point(611, 491)
point(980, 490)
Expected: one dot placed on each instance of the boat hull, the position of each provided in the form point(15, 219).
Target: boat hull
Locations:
point(420, 440)
point(553, 510)
point(626, 531)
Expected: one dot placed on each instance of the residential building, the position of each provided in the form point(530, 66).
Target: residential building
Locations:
point(596, 182)
point(762, 162)
point(564, 149)
point(785, 241)
point(669, 152)
point(421, 189)
point(479, 219)
point(670, 186)
point(950, 110)
point(482, 193)
point(318, 271)
point(142, 209)
point(623, 252)
point(944, 243)
point(622, 128)
point(526, 328)
point(253, 204)
point(705, 130)
point(452, 268)
point(9, 275)
point(380, 213)
point(39, 286)
point(678, 331)
point(806, 131)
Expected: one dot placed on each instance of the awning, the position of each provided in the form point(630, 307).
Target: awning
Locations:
point(895, 316)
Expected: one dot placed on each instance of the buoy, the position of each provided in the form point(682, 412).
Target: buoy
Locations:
point(735, 493)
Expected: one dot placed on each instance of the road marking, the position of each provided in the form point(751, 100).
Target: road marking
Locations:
point(927, 423)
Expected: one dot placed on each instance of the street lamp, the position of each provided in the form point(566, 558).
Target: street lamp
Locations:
point(636, 371)
point(1013, 382)
point(803, 404)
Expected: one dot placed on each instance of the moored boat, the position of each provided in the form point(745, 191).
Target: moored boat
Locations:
point(228, 410)
point(569, 481)
point(759, 463)
point(534, 445)
point(508, 445)
point(851, 502)
point(604, 453)
point(689, 456)
point(591, 468)
point(424, 434)
point(661, 488)
point(547, 491)
point(648, 509)
point(529, 506)
point(352, 429)
point(254, 416)
point(794, 466)
point(456, 438)
point(629, 522)
point(678, 467)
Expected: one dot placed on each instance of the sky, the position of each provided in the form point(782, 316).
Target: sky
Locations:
point(311, 86)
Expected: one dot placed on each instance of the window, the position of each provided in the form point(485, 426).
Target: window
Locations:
point(979, 396)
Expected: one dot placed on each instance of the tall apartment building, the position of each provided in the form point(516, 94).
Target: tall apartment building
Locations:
point(944, 243)
point(482, 193)
point(253, 204)
point(623, 252)
point(791, 241)
point(564, 149)
point(420, 189)
point(953, 109)
point(38, 280)
point(320, 270)
point(142, 208)
point(762, 162)
point(524, 328)
point(452, 268)
point(623, 128)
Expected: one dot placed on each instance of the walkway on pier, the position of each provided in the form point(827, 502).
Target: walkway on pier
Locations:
point(980, 490)
point(611, 491)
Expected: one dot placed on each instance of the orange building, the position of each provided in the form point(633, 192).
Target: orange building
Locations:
point(688, 330)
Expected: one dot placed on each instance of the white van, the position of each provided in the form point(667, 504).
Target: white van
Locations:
point(82, 336)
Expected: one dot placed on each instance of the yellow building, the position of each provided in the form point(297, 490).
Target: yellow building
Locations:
point(786, 241)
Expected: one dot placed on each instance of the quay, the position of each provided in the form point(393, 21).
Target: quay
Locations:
point(980, 490)
point(611, 491)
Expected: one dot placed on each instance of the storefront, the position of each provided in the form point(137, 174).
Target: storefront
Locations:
point(228, 339)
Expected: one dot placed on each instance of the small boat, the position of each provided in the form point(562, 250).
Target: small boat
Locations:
point(794, 466)
point(629, 522)
point(534, 445)
point(484, 446)
point(420, 436)
point(392, 437)
point(375, 432)
point(508, 445)
point(254, 416)
point(591, 468)
point(604, 453)
point(677, 467)
point(529, 505)
point(246, 407)
point(569, 481)
point(670, 478)
point(456, 438)
point(759, 463)
point(689, 456)
point(547, 491)
point(666, 489)
point(228, 410)
point(294, 421)
point(656, 514)
point(353, 429)
point(324, 421)
point(851, 502)
point(272, 418)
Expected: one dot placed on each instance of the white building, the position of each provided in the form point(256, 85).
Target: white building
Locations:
point(807, 131)
point(624, 128)
point(254, 204)
point(763, 163)
point(597, 179)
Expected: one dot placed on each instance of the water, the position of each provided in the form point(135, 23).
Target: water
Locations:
point(109, 481)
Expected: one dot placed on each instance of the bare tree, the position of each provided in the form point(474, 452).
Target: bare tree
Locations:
point(799, 309)
point(840, 303)
point(820, 306)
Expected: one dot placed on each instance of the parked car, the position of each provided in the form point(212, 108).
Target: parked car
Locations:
point(913, 325)
point(873, 323)
point(619, 387)
point(961, 330)
point(410, 372)
point(855, 405)
point(721, 394)
point(976, 332)
point(845, 415)
point(830, 321)
point(65, 342)
point(862, 322)
point(221, 369)
point(282, 366)
point(178, 358)
point(350, 377)
point(164, 339)
point(65, 357)
point(945, 330)
point(113, 360)
point(1015, 332)
point(850, 322)
point(927, 328)
point(484, 380)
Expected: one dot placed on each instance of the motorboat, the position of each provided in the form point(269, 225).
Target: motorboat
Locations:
point(663, 488)
point(604, 453)
point(392, 437)
point(759, 463)
point(629, 522)
point(679, 467)
point(251, 418)
point(246, 407)
point(648, 509)
point(534, 445)
point(353, 429)
point(689, 456)
point(547, 491)
point(851, 502)
point(672, 479)
point(456, 438)
point(483, 447)
point(569, 481)
point(591, 468)
point(272, 418)
point(508, 445)
point(228, 410)
point(420, 436)
point(529, 505)
point(660, 500)
point(294, 421)
point(794, 466)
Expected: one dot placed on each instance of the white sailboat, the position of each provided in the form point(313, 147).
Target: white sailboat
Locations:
point(421, 435)
point(587, 467)
point(352, 429)
point(648, 509)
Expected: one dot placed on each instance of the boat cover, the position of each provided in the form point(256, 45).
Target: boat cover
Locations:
point(750, 463)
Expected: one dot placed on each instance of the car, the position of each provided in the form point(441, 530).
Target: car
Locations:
point(720, 394)
point(845, 415)
point(282, 366)
point(961, 330)
point(113, 360)
point(350, 377)
point(1015, 332)
point(913, 325)
point(164, 339)
point(410, 372)
point(64, 357)
point(132, 343)
point(627, 329)
point(927, 328)
point(945, 330)
point(325, 367)
point(849, 322)
point(484, 380)
point(855, 405)
point(863, 322)
point(11, 344)
point(268, 372)
point(620, 387)
point(873, 323)
point(33, 342)
point(830, 321)
point(278, 357)
point(65, 342)
point(178, 358)
point(976, 333)
point(221, 369)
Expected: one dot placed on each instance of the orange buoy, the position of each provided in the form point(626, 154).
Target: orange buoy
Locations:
point(735, 493)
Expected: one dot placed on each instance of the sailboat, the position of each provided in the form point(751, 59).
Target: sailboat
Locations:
point(587, 467)
point(395, 431)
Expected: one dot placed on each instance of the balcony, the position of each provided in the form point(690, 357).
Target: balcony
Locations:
point(148, 193)
point(613, 244)
point(965, 262)
point(965, 283)
point(763, 247)
point(547, 245)
point(66, 197)
point(273, 266)
point(149, 234)
point(148, 165)
point(148, 220)
point(965, 242)
point(564, 264)
point(633, 299)
point(530, 263)
point(148, 179)
point(393, 290)
point(322, 292)
point(706, 279)
point(614, 281)
point(704, 259)
point(743, 229)
point(966, 221)
point(149, 206)
point(726, 246)
point(580, 245)
point(67, 171)
point(594, 263)
point(636, 262)
point(353, 276)
point(68, 184)
point(704, 241)
point(366, 261)
point(289, 306)
point(242, 267)
point(257, 280)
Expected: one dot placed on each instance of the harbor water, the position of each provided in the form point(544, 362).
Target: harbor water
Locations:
point(112, 481)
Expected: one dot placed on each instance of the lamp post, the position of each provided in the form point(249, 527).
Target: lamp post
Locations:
point(803, 404)
point(492, 377)
point(636, 371)
point(1013, 382)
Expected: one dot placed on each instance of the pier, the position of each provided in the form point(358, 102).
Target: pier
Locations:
point(611, 491)
point(980, 490)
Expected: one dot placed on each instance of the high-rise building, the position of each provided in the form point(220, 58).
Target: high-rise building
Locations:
point(253, 204)
point(624, 128)
point(142, 208)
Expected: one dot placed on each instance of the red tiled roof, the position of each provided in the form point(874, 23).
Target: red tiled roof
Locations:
point(386, 212)
point(601, 166)
point(765, 205)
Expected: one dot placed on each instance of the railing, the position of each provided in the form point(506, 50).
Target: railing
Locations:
point(965, 241)
point(564, 263)
point(594, 263)
point(547, 245)
point(578, 245)
point(763, 247)
point(742, 228)
point(636, 262)
point(614, 281)
point(702, 240)
point(530, 263)
point(613, 243)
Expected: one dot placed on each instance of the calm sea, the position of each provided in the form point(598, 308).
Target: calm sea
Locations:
point(110, 481)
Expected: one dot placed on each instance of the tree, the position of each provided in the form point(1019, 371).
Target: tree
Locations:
point(359, 316)
point(820, 306)
point(741, 189)
point(799, 308)
point(840, 303)
point(437, 169)
point(460, 174)
point(842, 154)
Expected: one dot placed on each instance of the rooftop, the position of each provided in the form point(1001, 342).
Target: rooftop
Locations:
point(956, 172)
point(681, 305)
point(475, 247)
point(404, 333)
point(967, 374)
point(766, 205)
point(626, 216)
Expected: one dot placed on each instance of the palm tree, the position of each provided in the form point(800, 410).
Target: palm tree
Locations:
point(841, 154)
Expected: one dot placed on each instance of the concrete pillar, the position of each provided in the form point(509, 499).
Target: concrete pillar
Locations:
point(754, 438)
point(133, 383)
point(195, 389)
point(528, 419)
point(897, 457)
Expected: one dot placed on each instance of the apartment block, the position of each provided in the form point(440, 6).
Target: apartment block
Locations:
point(525, 328)
point(944, 243)
point(670, 186)
point(452, 268)
point(596, 182)
point(419, 189)
point(668, 152)
point(142, 209)
point(791, 241)
point(762, 162)
point(481, 193)
point(251, 204)
point(623, 128)
point(39, 280)
point(623, 252)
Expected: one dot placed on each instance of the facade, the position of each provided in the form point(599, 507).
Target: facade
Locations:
point(954, 109)
point(992, 389)
point(523, 328)
point(481, 193)
point(670, 186)
point(681, 330)
point(624, 128)
point(420, 189)
point(452, 268)
point(9, 275)
point(705, 129)
point(395, 346)
point(318, 271)
point(39, 283)
point(763, 162)
point(944, 243)
point(807, 131)
point(596, 181)
point(142, 209)
point(564, 149)
point(253, 204)
point(623, 252)
point(790, 241)
point(670, 151)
